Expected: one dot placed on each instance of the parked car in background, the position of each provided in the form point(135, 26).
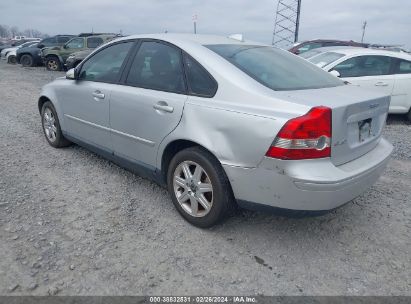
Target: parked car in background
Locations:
point(6, 51)
point(306, 46)
point(74, 59)
point(12, 44)
point(385, 71)
point(222, 122)
point(31, 56)
point(55, 58)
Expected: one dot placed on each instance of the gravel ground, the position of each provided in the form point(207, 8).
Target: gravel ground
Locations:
point(72, 223)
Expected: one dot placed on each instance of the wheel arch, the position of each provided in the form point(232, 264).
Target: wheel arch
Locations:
point(172, 148)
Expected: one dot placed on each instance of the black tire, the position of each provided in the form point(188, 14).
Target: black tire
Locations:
point(59, 140)
point(222, 197)
point(53, 63)
point(27, 60)
point(12, 60)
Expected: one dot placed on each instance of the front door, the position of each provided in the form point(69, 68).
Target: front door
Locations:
point(371, 72)
point(86, 101)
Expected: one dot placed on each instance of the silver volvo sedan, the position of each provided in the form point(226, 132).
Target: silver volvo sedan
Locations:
point(222, 123)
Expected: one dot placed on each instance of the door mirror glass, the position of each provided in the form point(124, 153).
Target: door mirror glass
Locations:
point(335, 73)
point(71, 74)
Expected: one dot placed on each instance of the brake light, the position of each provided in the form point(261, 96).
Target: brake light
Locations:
point(304, 137)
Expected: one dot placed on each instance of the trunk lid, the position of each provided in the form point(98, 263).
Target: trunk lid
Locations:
point(358, 117)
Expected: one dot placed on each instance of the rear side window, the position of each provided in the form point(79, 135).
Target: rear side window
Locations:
point(364, 66)
point(94, 42)
point(276, 69)
point(157, 66)
point(404, 67)
point(199, 80)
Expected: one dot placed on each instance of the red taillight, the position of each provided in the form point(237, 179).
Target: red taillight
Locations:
point(304, 137)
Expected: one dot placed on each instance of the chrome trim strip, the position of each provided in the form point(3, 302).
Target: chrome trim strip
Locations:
point(136, 138)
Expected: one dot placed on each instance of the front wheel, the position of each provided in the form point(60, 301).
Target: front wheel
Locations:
point(199, 187)
point(53, 64)
point(27, 60)
point(51, 126)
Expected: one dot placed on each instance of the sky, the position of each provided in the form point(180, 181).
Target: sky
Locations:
point(389, 22)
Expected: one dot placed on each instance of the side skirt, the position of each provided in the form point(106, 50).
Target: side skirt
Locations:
point(141, 169)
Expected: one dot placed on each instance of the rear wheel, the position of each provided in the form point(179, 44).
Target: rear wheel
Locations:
point(51, 126)
point(27, 60)
point(199, 187)
point(53, 63)
point(12, 60)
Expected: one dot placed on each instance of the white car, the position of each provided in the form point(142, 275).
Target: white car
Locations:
point(11, 56)
point(386, 71)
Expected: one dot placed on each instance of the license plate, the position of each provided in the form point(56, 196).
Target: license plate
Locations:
point(364, 129)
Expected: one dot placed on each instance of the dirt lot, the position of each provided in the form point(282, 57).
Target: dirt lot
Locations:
point(72, 223)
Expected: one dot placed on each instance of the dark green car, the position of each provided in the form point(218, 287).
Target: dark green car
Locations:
point(55, 58)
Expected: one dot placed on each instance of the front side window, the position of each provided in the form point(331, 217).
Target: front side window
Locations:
point(326, 58)
point(276, 69)
point(94, 42)
point(362, 66)
point(157, 66)
point(404, 67)
point(199, 80)
point(76, 43)
point(105, 65)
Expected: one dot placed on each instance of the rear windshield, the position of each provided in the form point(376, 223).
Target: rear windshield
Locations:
point(325, 59)
point(277, 69)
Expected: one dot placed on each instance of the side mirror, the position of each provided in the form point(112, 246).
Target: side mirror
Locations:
point(335, 73)
point(65, 46)
point(71, 74)
point(40, 46)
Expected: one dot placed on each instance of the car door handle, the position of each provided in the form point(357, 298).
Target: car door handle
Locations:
point(381, 84)
point(98, 95)
point(163, 106)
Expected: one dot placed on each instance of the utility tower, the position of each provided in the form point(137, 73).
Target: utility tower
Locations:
point(287, 23)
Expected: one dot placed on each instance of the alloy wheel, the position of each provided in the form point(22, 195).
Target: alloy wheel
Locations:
point(49, 125)
point(52, 64)
point(193, 189)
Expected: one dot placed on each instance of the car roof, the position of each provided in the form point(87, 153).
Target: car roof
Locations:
point(192, 38)
point(352, 51)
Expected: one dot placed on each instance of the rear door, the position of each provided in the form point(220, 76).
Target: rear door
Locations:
point(371, 72)
point(150, 103)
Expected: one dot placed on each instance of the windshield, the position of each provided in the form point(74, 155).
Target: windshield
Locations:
point(326, 58)
point(310, 54)
point(277, 69)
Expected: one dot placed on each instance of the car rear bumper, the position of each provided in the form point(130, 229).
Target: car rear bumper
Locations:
point(309, 185)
